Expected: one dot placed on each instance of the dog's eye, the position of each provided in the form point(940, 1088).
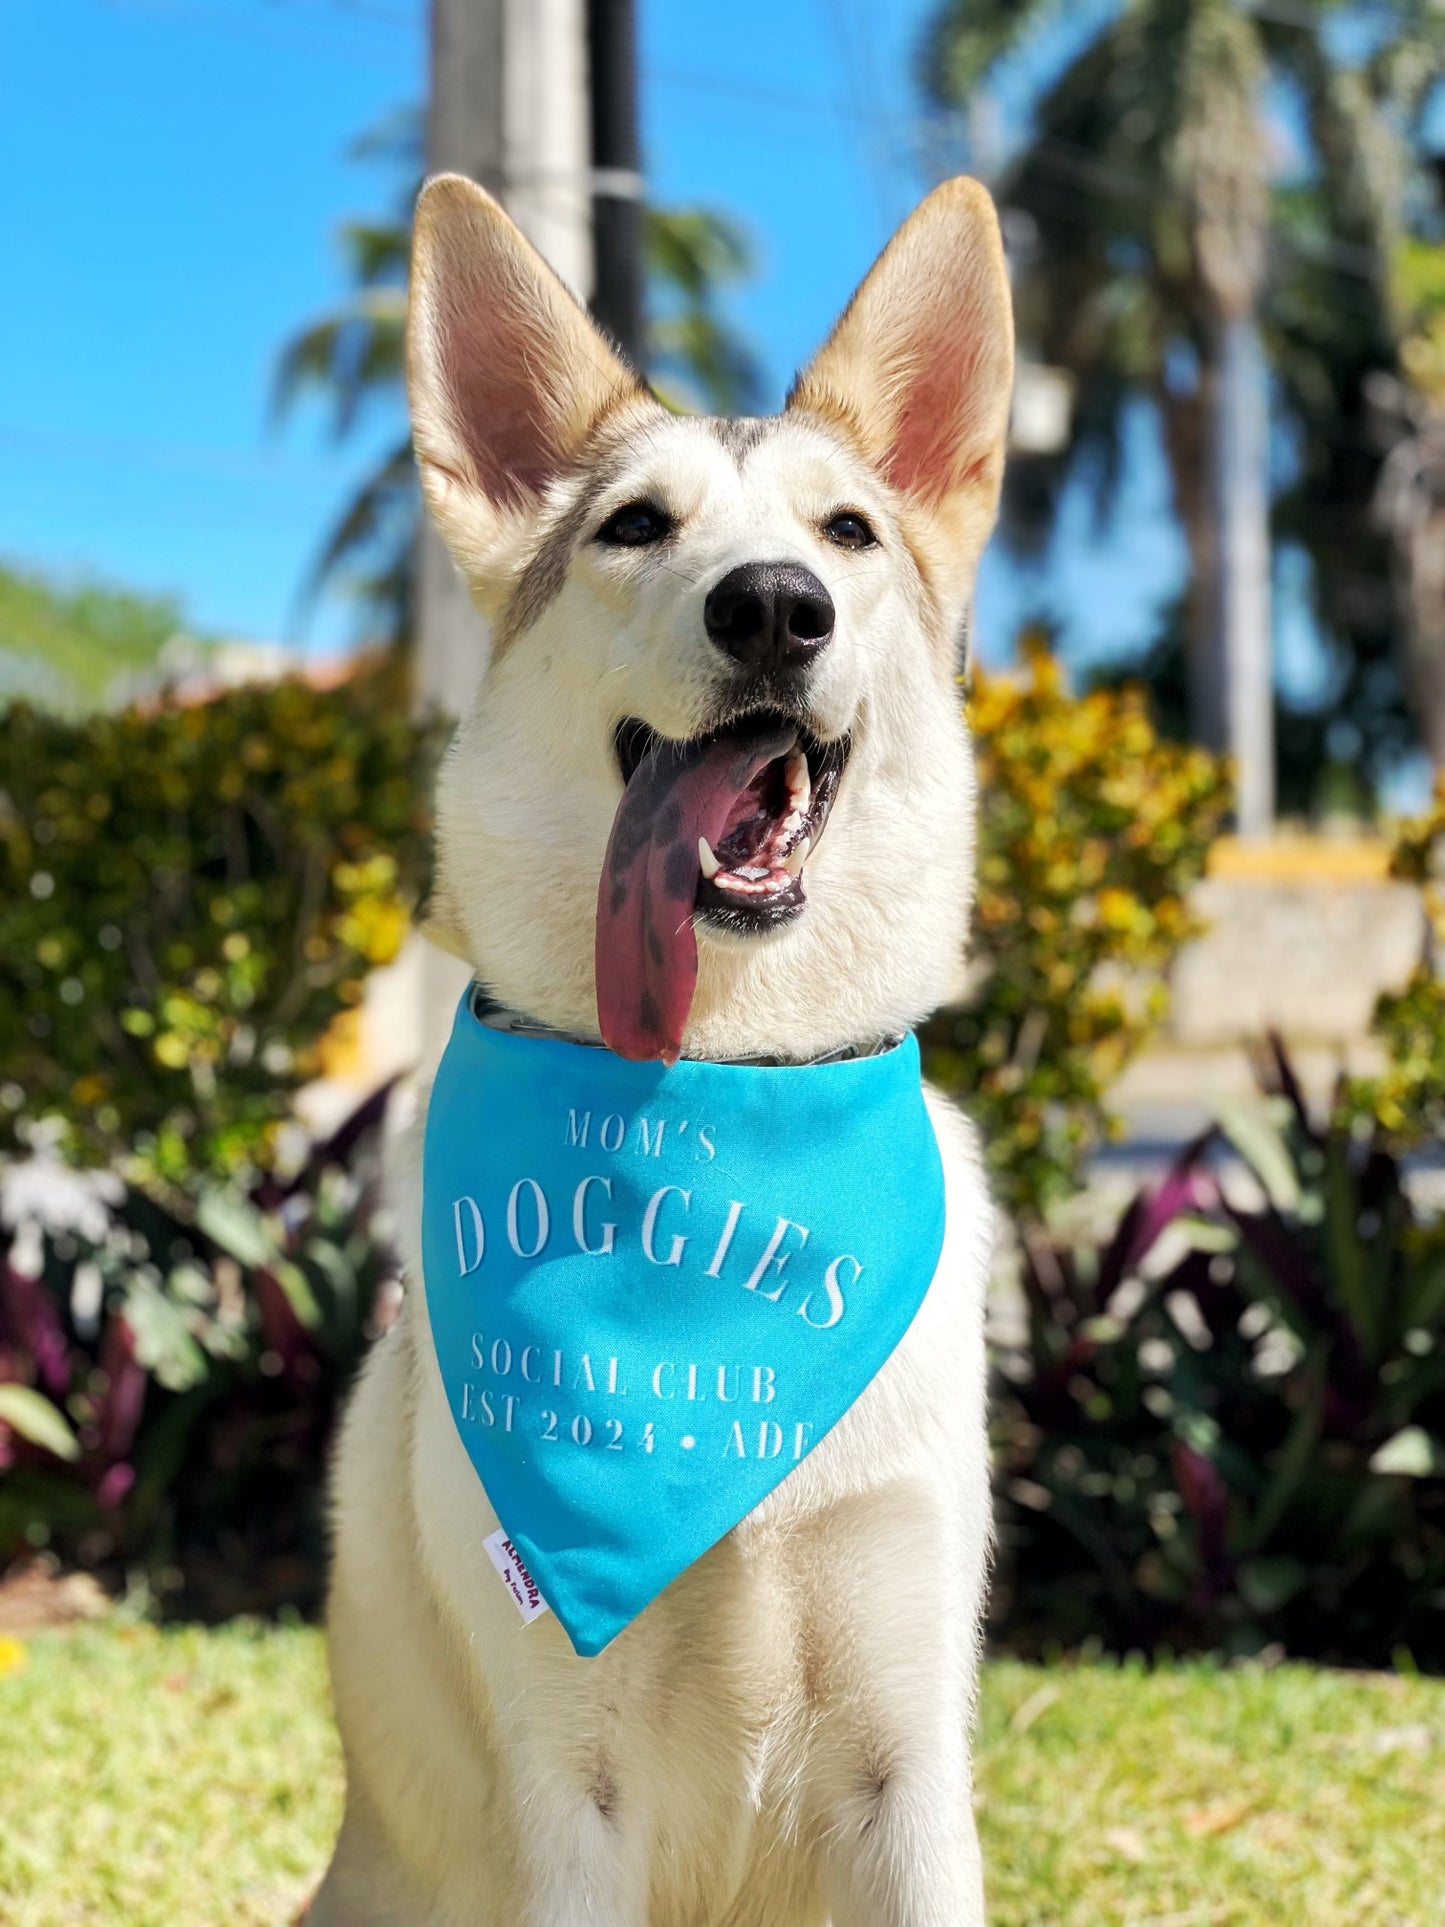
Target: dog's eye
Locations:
point(635, 525)
point(849, 530)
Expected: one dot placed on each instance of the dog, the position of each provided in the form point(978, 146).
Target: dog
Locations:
point(782, 1737)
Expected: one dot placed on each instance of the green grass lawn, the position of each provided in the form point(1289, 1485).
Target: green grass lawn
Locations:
point(191, 1779)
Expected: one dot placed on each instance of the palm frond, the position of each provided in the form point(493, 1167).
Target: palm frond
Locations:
point(379, 252)
point(703, 353)
point(1142, 204)
point(350, 357)
point(1216, 157)
point(694, 250)
point(374, 542)
point(353, 357)
point(968, 39)
point(691, 254)
point(398, 140)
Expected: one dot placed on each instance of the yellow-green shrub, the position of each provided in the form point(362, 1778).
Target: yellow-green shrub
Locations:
point(188, 898)
point(1091, 830)
point(1408, 1098)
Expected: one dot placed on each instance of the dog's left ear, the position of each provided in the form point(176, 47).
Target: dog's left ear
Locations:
point(918, 372)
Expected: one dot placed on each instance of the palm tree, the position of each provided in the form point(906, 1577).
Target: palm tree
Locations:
point(1411, 495)
point(1165, 254)
point(694, 356)
point(352, 357)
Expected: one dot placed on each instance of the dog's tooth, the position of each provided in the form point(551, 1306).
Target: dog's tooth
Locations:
point(710, 864)
point(795, 859)
point(800, 787)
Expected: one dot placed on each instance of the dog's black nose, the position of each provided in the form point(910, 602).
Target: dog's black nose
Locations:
point(770, 615)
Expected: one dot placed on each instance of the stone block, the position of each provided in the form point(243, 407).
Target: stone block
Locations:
point(1309, 958)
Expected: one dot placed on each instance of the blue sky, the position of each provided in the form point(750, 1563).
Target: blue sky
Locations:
point(172, 173)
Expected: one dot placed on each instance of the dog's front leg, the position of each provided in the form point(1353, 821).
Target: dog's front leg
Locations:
point(583, 1844)
point(892, 1772)
point(904, 1851)
point(901, 1847)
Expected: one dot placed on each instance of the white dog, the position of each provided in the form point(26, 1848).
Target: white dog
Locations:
point(782, 1736)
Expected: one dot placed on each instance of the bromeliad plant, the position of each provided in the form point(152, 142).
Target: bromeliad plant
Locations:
point(1227, 1429)
point(170, 1375)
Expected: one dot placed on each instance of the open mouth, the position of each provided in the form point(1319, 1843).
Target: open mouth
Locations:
point(750, 876)
point(720, 825)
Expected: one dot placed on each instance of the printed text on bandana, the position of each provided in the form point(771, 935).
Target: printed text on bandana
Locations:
point(653, 1290)
point(603, 1401)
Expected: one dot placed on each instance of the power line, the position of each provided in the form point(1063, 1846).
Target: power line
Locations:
point(838, 25)
point(765, 96)
point(1061, 157)
point(382, 15)
point(1292, 13)
point(1072, 161)
point(306, 12)
point(281, 25)
point(202, 463)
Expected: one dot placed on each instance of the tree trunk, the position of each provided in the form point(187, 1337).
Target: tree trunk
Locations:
point(1185, 419)
point(1241, 721)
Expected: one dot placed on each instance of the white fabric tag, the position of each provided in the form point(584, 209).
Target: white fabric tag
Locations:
point(515, 1576)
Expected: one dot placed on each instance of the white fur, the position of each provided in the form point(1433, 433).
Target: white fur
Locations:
point(527, 797)
point(782, 1737)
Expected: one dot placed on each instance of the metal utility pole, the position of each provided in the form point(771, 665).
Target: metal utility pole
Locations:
point(617, 298)
point(509, 106)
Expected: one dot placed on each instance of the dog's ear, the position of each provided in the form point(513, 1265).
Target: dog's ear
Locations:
point(918, 372)
point(506, 374)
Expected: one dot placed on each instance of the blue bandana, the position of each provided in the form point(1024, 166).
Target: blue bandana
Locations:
point(654, 1290)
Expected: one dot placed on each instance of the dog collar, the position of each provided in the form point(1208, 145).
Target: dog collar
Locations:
point(497, 1017)
point(653, 1291)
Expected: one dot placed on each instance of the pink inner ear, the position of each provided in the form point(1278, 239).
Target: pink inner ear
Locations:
point(932, 435)
point(491, 368)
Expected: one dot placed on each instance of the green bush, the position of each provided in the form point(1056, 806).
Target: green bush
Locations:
point(1239, 1440)
point(1091, 831)
point(188, 899)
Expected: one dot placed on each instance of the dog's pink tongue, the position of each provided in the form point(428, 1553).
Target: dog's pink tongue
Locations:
point(646, 945)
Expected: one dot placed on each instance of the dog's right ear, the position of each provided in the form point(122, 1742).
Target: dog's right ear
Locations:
point(506, 373)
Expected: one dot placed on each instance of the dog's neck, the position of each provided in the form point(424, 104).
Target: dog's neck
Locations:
point(498, 1017)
